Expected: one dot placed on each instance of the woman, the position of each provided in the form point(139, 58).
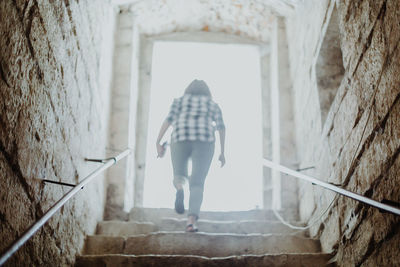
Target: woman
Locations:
point(194, 118)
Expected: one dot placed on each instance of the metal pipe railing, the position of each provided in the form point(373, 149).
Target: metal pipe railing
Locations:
point(36, 226)
point(331, 187)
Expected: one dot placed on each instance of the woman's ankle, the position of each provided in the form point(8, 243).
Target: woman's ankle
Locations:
point(191, 219)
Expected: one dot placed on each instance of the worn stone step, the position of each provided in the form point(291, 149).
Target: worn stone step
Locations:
point(201, 244)
point(237, 227)
point(121, 228)
point(278, 260)
point(156, 215)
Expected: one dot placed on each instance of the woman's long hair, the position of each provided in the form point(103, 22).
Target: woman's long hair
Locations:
point(198, 87)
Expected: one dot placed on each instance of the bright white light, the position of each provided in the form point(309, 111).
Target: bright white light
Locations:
point(233, 74)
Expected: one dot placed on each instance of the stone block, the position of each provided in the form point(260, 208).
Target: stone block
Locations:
point(125, 20)
point(330, 240)
point(223, 244)
point(118, 139)
point(123, 60)
point(124, 37)
point(118, 228)
point(122, 85)
point(292, 259)
point(240, 227)
point(356, 28)
point(96, 245)
point(387, 255)
point(154, 215)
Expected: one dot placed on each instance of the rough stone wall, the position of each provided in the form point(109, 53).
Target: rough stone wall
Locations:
point(249, 19)
point(329, 69)
point(120, 185)
point(288, 157)
point(358, 146)
point(54, 87)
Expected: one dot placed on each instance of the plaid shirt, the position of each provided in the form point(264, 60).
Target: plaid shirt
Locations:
point(194, 117)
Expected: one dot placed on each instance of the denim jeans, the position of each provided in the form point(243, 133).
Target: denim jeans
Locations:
point(201, 154)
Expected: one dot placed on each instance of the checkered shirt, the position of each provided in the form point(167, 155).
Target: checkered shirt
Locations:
point(194, 117)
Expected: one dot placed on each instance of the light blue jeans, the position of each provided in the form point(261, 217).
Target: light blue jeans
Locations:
point(201, 154)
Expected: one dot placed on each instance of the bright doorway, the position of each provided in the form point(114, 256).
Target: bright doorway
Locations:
point(233, 75)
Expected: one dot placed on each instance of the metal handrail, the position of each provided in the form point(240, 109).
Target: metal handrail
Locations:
point(36, 226)
point(331, 187)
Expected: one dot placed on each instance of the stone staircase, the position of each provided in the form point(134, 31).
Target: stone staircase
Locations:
point(156, 237)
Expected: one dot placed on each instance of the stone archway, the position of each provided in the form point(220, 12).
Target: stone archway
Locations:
point(217, 21)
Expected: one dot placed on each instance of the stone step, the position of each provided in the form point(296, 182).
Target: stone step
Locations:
point(281, 260)
point(121, 228)
point(155, 215)
point(237, 227)
point(200, 244)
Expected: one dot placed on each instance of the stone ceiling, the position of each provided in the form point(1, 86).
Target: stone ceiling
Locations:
point(246, 18)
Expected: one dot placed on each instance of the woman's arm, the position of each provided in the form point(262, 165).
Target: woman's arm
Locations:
point(222, 143)
point(163, 129)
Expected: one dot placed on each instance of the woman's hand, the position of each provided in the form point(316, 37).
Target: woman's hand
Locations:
point(222, 159)
point(160, 150)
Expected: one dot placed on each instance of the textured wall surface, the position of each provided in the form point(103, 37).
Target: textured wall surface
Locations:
point(358, 146)
point(119, 117)
point(250, 19)
point(54, 86)
point(289, 187)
